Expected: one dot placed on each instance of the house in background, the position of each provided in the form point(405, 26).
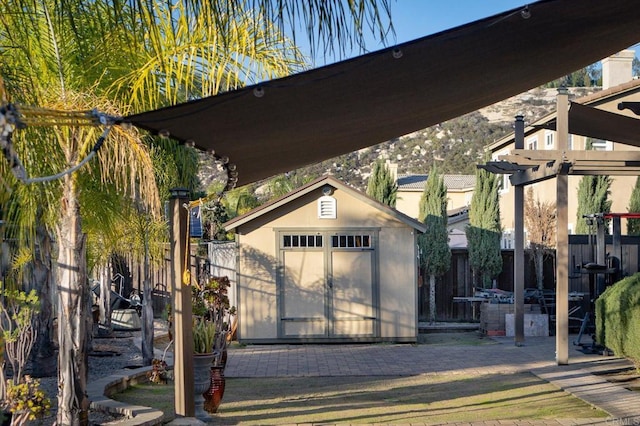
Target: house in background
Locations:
point(410, 189)
point(459, 192)
point(618, 86)
point(326, 263)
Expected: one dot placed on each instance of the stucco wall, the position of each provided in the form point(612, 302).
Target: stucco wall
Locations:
point(258, 249)
point(398, 283)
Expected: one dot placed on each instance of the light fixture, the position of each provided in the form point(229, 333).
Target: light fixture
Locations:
point(525, 13)
point(164, 133)
point(190, 143)
point(258, 92)
point(327, 190)
point(397, 53)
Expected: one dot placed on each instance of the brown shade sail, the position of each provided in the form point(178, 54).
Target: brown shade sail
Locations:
point(284, 124)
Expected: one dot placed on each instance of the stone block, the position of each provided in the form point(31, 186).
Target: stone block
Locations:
point(534, 325)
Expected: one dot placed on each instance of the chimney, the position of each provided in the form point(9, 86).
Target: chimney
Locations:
point(393, 169)
point(617, 69)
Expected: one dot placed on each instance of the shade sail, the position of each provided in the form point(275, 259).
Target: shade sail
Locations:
point(596, 123)
point(287, 123)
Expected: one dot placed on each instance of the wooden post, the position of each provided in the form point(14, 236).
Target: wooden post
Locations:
point(518, 252)
point(181, 306)
point(562, 233)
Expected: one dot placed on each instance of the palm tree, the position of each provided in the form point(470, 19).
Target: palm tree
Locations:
point(73, 55)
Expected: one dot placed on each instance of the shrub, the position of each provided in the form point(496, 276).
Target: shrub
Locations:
point(618, 316)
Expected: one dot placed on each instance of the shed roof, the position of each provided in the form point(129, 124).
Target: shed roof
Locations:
point(312, 186)
point(284, 124)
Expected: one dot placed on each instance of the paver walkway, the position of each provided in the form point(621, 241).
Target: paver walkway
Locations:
point(537, 355)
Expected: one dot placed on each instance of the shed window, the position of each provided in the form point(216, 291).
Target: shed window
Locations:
point(351, 241)
point(327, 207)
point(301, 241)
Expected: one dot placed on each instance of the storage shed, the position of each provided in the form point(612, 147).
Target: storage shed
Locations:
point(326, 263)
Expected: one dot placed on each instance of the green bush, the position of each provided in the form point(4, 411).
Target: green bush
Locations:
point(618, 318)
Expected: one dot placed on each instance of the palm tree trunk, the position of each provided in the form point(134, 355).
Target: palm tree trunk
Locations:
point(147, 309)
point(105, 298)
point(73, 303)
point(40, 278)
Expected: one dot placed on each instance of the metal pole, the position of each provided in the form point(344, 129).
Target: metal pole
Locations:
point(181, 306)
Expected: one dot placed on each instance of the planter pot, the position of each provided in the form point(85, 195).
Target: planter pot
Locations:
point(201, 382)
point(213, 396)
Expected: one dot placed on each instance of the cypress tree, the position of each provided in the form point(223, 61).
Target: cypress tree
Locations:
point(382, 185)
point(484, 231)
point(633, 225)
point(435, 254)
point(593, 194)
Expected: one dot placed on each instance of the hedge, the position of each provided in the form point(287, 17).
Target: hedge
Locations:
point(618, 318)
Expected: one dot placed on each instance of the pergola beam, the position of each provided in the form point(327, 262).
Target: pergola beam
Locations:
point(528, 177)
point(612, 171)
point(530, 156)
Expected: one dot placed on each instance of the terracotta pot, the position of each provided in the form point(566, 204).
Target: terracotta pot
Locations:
point(213, 396)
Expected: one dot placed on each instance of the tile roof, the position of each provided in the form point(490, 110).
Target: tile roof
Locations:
point(452, 182)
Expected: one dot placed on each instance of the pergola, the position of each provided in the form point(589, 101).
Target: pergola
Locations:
point(280, 125)
point(530, 166)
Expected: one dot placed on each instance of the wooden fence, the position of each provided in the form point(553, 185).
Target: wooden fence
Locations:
point(458, 282)
point(216, 258)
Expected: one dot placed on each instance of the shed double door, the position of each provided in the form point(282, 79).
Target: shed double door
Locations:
point(327, 285)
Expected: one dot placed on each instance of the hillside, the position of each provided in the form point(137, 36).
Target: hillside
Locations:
point(457, 145)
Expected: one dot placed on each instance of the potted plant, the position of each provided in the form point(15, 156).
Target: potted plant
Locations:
point(20, 395)
point(204, 332)
point(212, 301)
point(204, 335)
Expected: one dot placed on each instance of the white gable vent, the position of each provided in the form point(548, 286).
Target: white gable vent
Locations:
point(327, 207)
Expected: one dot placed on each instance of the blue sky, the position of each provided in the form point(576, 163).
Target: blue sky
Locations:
point(413, 19)
point(417, 18)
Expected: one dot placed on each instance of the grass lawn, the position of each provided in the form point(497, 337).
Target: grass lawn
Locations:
point(427, 398)
point(415, 399)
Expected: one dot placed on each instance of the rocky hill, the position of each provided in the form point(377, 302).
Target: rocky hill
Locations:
point(457, 145)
